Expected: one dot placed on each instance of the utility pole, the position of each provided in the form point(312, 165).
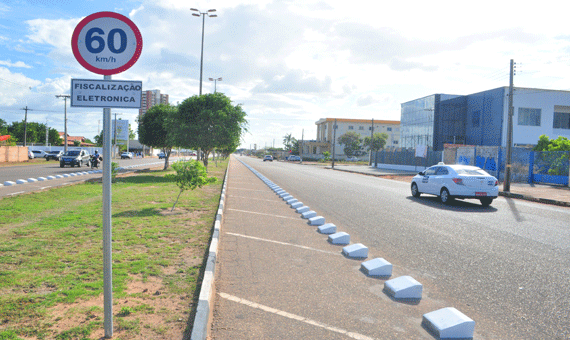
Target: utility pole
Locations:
point(47, 134)
point(26, 124)
point(371, 141)
point(507, 183)
point(334, 142)
point(64, 96)
point(301, 146)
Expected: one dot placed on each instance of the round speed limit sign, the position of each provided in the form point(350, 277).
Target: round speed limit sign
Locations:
point(106, 43)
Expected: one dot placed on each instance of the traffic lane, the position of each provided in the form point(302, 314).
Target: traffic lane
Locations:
point(494, 264)
point(270, 256)
point(7, 191)
point(52, 168)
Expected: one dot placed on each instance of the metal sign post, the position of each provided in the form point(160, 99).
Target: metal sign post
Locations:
point(107, 230)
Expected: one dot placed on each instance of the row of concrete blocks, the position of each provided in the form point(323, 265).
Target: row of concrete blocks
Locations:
point(445, 323)
point(31, 180)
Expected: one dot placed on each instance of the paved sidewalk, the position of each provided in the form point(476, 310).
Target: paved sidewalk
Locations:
point(549, 194)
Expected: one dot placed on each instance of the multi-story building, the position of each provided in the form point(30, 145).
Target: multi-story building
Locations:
point(325, 133)
point(151, 98)
point(482, 118)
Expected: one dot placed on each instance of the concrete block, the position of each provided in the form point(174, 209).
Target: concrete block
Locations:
point(9, 183)
point(41, 179)
point(73, 174)
point(341, 238)
point(58, 176)
point(308, 214)
point(328, 228)
point(287, 197)
point(50, 177)
point(292, 200)
point(377, 267)
point(449, 323)
point(317, 220)
point(66, 175)
point(21, 181)
point(403, 287)
point(303, 209)
point(357, 251)
point(296, 205)
point(283, 194)
point(31, 180)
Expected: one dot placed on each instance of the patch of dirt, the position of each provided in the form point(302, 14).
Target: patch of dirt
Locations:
point(407, 179)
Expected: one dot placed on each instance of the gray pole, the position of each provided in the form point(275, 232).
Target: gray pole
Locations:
point(371, 142)
point(334, 142)
point(26, 125)
point(107, 239)
point(64, 96)
point(202, 53)
point(507, 183)
point(301, 148)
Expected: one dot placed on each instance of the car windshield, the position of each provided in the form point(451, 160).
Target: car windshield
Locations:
point(72, 153)
point(54, 152)
point(476, 172)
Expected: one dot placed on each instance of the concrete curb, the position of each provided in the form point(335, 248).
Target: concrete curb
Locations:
point(204, 309)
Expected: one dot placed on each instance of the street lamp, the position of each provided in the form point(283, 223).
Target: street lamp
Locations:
point(215, 80)
point(203, 14)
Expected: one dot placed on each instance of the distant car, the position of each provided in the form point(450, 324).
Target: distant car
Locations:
point(352, 159)
point(456, 181)
point(294, 158)
point(38, 153)
point(268, 158)
point(30, 154)
point(128, 155)
point(161, 155)
point(75, 157)
point(55, 155)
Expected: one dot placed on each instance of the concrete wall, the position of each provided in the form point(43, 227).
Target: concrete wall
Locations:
point(13, 153)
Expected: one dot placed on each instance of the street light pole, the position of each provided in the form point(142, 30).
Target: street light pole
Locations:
point(64, 96)
point(215, 80)
point(203, 14)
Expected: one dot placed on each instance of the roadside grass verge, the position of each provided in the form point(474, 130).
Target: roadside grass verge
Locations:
point(51, 260)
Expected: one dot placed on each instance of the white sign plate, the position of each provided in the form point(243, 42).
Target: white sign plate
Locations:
point(106, 93)
point(121, 129)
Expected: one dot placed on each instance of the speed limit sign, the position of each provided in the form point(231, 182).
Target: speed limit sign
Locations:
point(106, 43)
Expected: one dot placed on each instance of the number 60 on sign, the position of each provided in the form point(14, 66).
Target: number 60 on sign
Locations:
point(106, 43)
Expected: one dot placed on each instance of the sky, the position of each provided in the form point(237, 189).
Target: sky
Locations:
point(288, 63)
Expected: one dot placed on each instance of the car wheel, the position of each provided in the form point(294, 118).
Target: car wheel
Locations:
point(61, 165)
point(486, 201)
point(445, 197)
point(415, 191)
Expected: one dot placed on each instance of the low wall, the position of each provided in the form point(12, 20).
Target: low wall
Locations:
point(13, 153)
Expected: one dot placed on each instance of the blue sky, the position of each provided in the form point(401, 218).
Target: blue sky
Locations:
point(288, 62)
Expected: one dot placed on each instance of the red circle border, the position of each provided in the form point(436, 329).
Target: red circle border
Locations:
point(88, 19)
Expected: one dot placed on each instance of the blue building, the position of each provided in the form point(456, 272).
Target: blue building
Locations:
point(481, 118)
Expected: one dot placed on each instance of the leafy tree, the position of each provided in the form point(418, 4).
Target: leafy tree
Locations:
point(153, 130)
point(555, 163)
point(35, 132)
point(3, 127)
point(207, 122)
point(326, 156)
point(76, 143)
point(352, 143)
point(376, 142)
point(189, 175)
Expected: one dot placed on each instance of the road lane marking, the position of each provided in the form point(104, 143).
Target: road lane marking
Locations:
point(16, 193)
point(284, 243)
point(259, 199)
point(253, 212)
point(293, 317)
point(42, 188)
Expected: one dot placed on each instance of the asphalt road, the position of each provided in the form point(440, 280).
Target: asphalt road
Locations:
point(506, 266)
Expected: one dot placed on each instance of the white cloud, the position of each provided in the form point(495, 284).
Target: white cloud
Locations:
point(16, 64)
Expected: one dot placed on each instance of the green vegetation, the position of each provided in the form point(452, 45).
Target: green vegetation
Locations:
point(189, 175)
point(553, 155)
point(51, 257)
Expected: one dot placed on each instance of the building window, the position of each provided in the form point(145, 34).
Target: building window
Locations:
point(361, 128)
point(350, 127)
point(389, 129)
point(561, 117)
point(529, 117)
point(395, 142)
point(476, 118)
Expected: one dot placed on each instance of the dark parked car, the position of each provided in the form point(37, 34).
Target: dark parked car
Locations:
point(161, 155)
point(75, 157)
point(55, 155)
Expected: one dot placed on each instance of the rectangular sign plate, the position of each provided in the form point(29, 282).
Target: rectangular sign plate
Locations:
point(106, 93)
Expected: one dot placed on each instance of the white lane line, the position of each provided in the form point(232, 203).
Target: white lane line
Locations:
point(233, 188)
point(284, 243)
point(294, 317)
point(16, 193)
point(259, 199)
point(42, 188)
point(252, 212)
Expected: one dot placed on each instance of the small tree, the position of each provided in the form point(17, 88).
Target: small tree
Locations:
point(189, 175)
point(153, 130)
point(326, 156)
point(352, 142)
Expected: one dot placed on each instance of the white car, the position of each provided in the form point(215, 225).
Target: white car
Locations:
point(456, 181)
point(128, 155)
point(352, 159)
point(39, 153)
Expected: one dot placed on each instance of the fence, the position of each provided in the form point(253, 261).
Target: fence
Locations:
point(527, 166)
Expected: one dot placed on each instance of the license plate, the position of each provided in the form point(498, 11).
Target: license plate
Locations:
point(480, 194)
